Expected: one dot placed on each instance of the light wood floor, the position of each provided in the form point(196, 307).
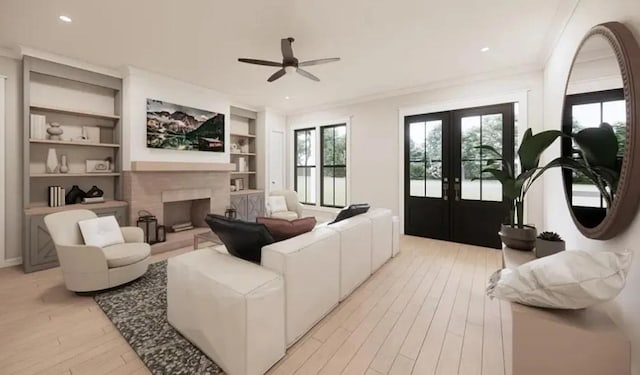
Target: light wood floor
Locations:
point(424, 312)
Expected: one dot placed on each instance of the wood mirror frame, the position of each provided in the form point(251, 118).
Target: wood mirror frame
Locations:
point(625, 204)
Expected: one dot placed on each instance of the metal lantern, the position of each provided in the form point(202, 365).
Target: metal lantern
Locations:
point(149, 225)
point(230, 213)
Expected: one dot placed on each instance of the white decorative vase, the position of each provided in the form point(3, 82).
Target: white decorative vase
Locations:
point(52, 161)
point(64, 166)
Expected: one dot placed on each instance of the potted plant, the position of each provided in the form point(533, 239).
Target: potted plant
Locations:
point(515, 234)
point(549, 243)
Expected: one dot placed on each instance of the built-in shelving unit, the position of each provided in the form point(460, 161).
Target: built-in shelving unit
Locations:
point(87, 107)
point(243, 148)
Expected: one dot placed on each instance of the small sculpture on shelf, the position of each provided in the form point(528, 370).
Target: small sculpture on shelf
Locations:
point(94, 195)
point(55, 131)
point(75, 195)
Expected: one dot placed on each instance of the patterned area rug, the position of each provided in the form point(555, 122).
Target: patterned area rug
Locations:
point(139, 312)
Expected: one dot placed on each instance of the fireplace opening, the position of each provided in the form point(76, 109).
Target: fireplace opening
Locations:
point(185, 215)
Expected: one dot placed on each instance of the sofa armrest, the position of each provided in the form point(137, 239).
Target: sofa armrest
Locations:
point(132, 234)
point(81, 259)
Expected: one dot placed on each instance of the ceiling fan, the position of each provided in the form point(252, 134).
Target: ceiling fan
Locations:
point(289, 62)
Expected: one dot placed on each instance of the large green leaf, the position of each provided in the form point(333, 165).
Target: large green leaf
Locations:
point(598, 145)
point(533, 146)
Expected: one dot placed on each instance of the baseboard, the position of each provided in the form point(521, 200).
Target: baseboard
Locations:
point(10, 262)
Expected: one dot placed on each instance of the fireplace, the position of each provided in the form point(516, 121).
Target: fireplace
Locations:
point(177, 198)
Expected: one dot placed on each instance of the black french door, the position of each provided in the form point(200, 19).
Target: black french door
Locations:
point(447, 197)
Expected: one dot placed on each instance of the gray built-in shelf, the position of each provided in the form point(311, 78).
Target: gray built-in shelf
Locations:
point(74, 98)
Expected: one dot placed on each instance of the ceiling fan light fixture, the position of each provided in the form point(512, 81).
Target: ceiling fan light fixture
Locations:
point(290, 69)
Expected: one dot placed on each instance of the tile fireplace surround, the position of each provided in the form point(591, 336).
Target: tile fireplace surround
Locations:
point(149, 190)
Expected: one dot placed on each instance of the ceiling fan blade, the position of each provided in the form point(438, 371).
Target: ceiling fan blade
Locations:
point(260, 62)
point(277, 75)
point(287, 51)
point(304, 73)
point(319, 61)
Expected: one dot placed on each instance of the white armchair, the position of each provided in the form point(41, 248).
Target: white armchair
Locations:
point(90, 268)
point(294, 208)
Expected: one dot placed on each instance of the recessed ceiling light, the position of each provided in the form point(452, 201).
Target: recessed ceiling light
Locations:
point(287, 97)
point(484, 49)
point(66, 19)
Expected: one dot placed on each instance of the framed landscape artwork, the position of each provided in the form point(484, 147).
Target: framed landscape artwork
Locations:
point(177, 127)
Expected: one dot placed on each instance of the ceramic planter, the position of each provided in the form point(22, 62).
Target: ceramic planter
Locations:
point(519, 238)
point(545, 248)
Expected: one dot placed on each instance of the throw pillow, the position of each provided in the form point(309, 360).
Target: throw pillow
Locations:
point(566, 280)
point(242, 239)
point(282, 229)
point(277, 203)
point(101, 231)
point(351, 211)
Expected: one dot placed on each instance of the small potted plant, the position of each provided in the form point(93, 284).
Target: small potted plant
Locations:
point(549, 243)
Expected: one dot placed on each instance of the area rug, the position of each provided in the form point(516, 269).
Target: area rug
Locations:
point(139, 312)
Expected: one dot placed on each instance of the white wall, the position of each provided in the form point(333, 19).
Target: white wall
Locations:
point(12, 69)
point(268, 120)
point(626, 308)
point(140, 85)
point(375, 149)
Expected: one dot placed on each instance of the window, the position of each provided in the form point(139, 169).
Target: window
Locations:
point(320, 177)
point(333, 185)
point(305, 168)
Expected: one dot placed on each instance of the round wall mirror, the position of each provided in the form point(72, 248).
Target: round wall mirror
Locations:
point(601, 114)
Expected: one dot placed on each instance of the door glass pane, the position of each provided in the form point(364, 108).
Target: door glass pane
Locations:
point(470, 138)
point(470, 189)
point(433, 142)
point(417, 179)
point(491, 188)
point(585, 116)
point(492, 134)
point(417, 141)
point(434, 179)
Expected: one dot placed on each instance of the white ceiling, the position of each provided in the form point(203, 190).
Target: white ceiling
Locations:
point(385, 45)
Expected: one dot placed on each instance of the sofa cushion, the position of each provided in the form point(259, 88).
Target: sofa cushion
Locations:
point(287, 215)
point(101, 231)
point(351, 211)
point(121, 255)
point(282, 229)
point(242, 239)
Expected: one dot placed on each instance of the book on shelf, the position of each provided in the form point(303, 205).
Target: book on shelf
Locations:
point(56, 196)
point(38, 127)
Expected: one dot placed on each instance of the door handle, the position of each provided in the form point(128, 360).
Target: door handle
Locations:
point(456, 188)
point(445, 190)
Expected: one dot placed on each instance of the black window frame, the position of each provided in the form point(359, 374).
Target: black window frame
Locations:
point(323, 166)
point(306, 166)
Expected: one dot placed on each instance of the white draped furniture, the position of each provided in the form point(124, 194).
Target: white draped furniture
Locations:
point(216, 300)
point(90, 268)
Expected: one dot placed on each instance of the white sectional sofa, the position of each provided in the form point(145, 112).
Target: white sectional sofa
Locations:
point(317, 269)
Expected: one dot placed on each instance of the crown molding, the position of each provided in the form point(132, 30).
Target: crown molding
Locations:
point(503, 73)
point(28, 51)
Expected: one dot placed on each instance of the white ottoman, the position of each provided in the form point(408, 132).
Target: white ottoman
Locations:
point(396, 236)
point(231, 309)
point(381, 236)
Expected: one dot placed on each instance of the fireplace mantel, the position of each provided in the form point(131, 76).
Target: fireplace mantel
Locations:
point(169, 166)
